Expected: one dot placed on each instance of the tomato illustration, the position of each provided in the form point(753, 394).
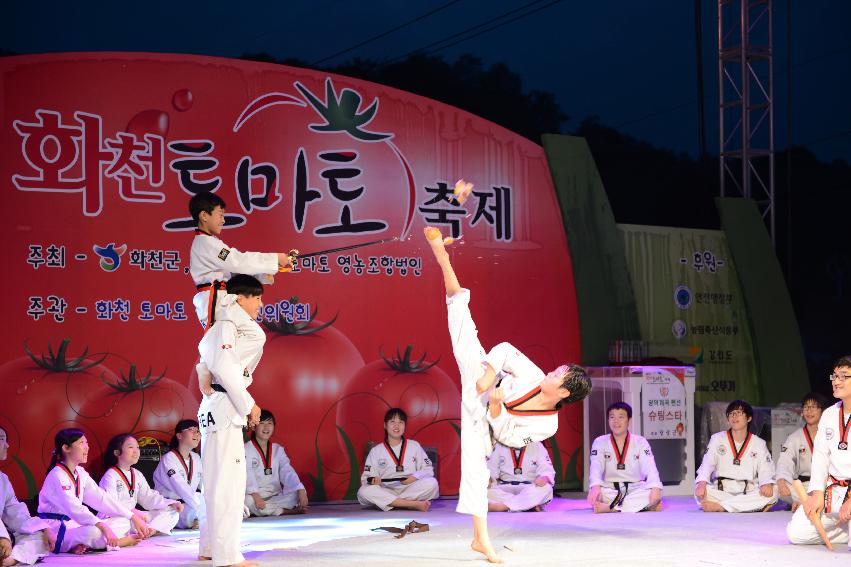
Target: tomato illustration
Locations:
point(43, 393)
point(140, 404)
point(426, 393)
point(304, 369)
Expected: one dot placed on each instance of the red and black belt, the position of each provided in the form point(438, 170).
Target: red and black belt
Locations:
point(828, 494)
point(213, 288)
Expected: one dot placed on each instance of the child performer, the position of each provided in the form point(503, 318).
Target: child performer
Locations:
point(397, 473)
point(737, 473)
point(231, 350)
point(272, 486)
point(66, 492)
point(130, 487)
point(178, 475)
point(211, 261)
point(31, 535)
point(796, 453)
point(623, 475)
point(521, 479)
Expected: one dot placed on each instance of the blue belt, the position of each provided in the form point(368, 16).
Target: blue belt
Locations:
point(61, 534)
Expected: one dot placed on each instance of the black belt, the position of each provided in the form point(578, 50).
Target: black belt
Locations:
point(514, 482)
point(721, 480)
point(803, 478)
point(618, 500)
point(219, 388)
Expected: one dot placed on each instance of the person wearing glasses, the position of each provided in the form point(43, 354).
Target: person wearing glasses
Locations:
point(737, 473)
point(830, 472)
point(796, 453)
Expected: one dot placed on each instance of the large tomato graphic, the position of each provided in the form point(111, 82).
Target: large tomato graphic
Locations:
point(426, 393)
point(41, 394)
point(140, 404)
point(301, 375)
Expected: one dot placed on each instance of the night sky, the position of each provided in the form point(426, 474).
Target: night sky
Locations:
point(630, 63)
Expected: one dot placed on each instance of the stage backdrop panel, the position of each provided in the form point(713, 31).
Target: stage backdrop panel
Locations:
point(691, 307)
point(102, 151)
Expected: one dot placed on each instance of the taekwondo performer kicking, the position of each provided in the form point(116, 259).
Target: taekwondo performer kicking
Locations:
point(231, 350)
point(531, 398)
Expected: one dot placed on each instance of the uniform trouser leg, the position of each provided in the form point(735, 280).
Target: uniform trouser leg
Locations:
point(283, 501)
point(802, 532)
point(191, 514)
point(475, 433)
point(223, 460)
point(520, 497)
point(637, 497)
point(29, 548)
point(377, 495)
point(163, 520)
point(743, 502)
point(89, 536)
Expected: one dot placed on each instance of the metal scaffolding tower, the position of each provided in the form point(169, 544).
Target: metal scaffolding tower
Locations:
point(746, 103)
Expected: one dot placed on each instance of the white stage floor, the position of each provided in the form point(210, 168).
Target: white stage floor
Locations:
point(566, 534)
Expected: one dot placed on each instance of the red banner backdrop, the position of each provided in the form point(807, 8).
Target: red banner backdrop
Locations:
point(101, 154)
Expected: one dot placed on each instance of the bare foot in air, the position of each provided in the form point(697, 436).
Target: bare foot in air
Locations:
point(486, 550)
point(204, 558)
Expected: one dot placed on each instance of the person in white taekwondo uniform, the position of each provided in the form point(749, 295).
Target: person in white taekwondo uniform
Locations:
point(737, 472)
point(830, 473)
point(212, 262)
point(796, 453)
point(68, 490)
point(31, 536)
point(397, 472)
point(623, 475)
point(130, 487)
point(231, 350)
point(179, 474)
point(272, 487)
point(521, 479)
point(529, 416)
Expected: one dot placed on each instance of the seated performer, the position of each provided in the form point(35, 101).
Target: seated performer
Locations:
point(178, 474)
point(737, 473)
point(397, 473)
point(796, 453)
point(830, 473)
point(623, 475)
point(272, 486)
point(130, 487)
point(69, 492)
point(521, 479)
point(31, 535)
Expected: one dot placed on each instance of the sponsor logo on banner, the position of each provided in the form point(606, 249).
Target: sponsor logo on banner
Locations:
point(682, 297)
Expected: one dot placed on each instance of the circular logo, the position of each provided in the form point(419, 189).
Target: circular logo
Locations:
point(682, 297)
point(679, 329)
point(722, 450)
point(828, 433)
